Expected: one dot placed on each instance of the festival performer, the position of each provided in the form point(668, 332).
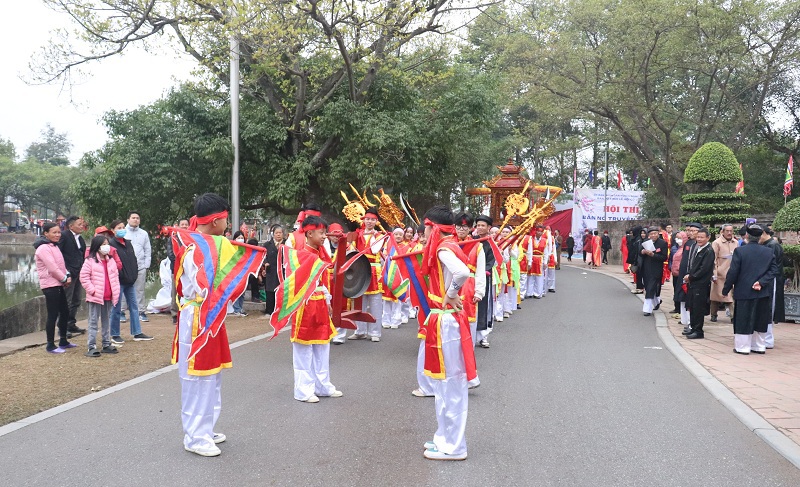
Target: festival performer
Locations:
point(523, 251)
point(499, 278)
point(392, 306)
point(211, 272)
point(409, 241)
point(511, 261)
point(331, 245)
point(538, 262)
point(312, 328)
point(449, 355)
point(296, 239)
point(483, 224)
point(551, 261)
point(472, 292)
point(370, 239)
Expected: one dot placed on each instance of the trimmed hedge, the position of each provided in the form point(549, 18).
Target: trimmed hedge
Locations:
point(714, 207)
point(714, 162)
point(708, 197)
point(788, 217)
point(717, 219)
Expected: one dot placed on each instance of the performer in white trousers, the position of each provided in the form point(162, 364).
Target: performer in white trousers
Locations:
point(312, 375)
point(392, 313)
point(445, 263)
point(370, 239)
point(551, 262)
point(425, 384)
point(372, 304)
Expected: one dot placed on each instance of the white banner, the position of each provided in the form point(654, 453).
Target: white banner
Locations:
point(594, 205)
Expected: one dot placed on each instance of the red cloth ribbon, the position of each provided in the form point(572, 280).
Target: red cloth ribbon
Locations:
point(429, 253)
point(317, 226)
point(205, 220)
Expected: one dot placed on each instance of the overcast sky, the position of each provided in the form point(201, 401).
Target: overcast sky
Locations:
point(121, 82)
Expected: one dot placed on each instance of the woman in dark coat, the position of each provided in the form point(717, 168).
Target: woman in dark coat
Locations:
point(271, 278)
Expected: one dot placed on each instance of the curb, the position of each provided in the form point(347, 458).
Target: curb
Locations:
point(744, 413)
point(49, 413)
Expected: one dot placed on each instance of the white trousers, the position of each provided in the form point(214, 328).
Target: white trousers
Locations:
point(758, 342)
point(748, 343)
point(536, 284)
point(523, 284)
point(392, 313)
point(685, 319)
point(451, 393)
point(649, 304)
point(473, 328)
point(426, 384)
point(341, 335)
point(405, 311)
point(201, 399)
point(551, 278)
point(372, 304)
point(312, 374)
point(510, 302)
point(769, 338)
point(498, 305)
point(530, 285)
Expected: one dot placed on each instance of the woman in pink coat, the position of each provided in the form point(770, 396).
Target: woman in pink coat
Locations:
point(100, 279)
point(53, 278)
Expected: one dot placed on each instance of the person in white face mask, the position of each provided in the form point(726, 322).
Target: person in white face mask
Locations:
point(100, 279)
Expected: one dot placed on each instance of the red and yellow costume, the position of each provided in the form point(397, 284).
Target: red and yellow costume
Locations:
point(539, 249)
point(312, 324)
point(366, 241)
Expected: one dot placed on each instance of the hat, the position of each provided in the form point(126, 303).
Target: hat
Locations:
point(99, 230)
point(695, 225)
point(755, 230)
point(653, 229)
point(484, 218)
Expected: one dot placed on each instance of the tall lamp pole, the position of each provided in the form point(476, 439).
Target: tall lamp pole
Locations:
point(234, 90)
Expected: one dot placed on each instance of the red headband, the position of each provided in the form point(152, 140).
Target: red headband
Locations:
point(205, 220)
point(308, 228)
point(442, 228)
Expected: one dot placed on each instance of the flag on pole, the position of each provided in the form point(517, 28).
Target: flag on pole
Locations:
point(591, 175)
point(619, 179)
point(740, 184)
point(789, 181)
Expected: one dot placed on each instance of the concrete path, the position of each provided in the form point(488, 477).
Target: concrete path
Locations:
point(578, 389)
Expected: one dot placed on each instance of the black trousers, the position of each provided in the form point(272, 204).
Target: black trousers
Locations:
point(74, 296)
point(255, 288)
point(269, 304)
point(569, 254)
point(56, 302)
point(605, 256)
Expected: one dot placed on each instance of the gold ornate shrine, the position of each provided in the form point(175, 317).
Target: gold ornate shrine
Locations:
point(511, 197)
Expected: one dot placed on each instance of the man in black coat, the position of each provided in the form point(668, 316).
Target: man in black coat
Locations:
point(634, 241)
point(698, 282)
point(606, 246)
point(751, 276)
point(73, 248)
point(778, 307)
point(688, 245)
point(651, 268)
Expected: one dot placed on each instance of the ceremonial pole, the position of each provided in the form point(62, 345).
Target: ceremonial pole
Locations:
point(234, 91)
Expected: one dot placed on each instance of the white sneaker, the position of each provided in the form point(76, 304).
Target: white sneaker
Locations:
point(385, 326)
point(311, 400)
point(375, 339)
point(357, 336)
point(435, 454)
point(204, 451)
point(404, 320)
point(394, 327)
point(219, 438)
point(337, 341)
point(506, 315)
point(429, 445)
point(336, 393)
point(418, 393)
point(498, 319)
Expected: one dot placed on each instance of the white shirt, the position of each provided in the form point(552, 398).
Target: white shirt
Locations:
point(454, 271)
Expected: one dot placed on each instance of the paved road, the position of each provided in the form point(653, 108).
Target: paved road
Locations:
point(571, 395)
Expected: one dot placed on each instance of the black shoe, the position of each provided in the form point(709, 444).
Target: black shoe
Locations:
point(141, 337)
point(695, 335)
point(676, 310)
point(117, 340)
point(519, 307)
point(648, 314)
point(110, 349)
point(713, 318)
point(655, 308)
point(686, 332)
point(75, 330)
point(760, 353)
point(551, 290)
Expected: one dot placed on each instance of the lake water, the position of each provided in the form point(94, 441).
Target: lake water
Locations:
point(20, 282)
point(18, 279)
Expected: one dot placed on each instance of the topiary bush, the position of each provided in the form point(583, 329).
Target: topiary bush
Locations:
point(710, 165)
point(713, 163)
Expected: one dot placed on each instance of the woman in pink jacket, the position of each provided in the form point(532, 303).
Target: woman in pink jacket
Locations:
point(53, 277)
point(100, 279)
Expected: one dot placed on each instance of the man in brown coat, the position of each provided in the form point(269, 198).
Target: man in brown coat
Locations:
point(723, 249)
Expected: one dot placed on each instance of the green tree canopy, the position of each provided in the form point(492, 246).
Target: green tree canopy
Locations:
point(52, 148)
point(712, 163)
